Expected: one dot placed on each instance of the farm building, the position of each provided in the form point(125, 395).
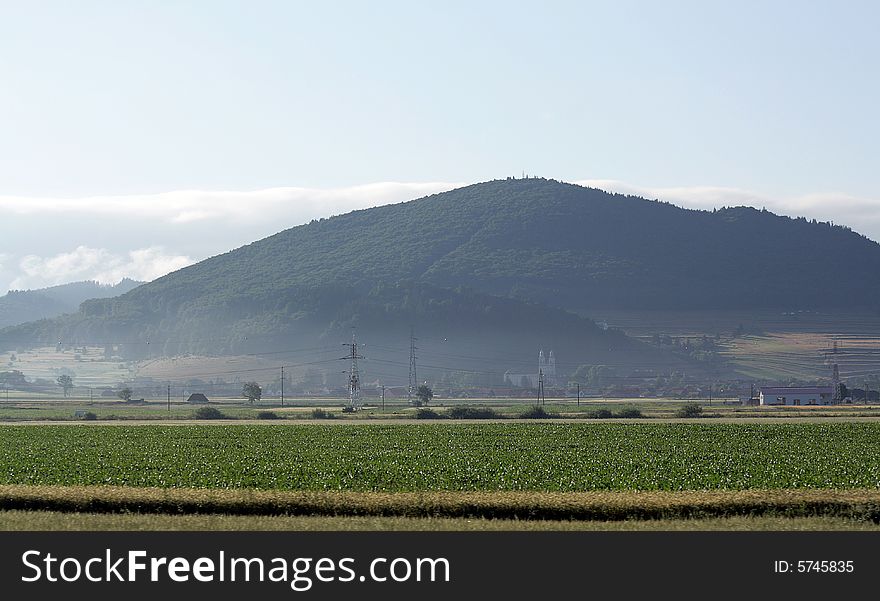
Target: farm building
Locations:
point(788, 395)
point(197, 398)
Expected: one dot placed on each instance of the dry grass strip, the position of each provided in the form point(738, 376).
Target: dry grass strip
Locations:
point(521, 505)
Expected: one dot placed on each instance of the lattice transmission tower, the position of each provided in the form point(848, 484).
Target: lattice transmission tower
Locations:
point(354, 378)
point(413, 378)
point(835, 384)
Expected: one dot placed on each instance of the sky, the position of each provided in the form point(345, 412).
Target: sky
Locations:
point(139, 137)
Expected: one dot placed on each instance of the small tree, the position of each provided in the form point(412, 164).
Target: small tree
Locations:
point(125, 394)
point(425, 394)
point(251, 391)
point(66, 383)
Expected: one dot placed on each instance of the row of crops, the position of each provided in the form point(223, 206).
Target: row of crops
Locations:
point(545, 456)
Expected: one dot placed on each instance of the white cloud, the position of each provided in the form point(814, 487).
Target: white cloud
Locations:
point(861, 214)
point(286, 206)
point(85, 263)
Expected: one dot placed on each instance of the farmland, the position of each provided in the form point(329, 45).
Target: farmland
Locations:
point(770, 345)
point(561, 457)
point(450, 475)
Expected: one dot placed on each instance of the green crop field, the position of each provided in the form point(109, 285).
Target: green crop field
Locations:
point(480, 457)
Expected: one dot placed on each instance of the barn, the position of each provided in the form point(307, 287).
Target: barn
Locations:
point(792, 395)
point(197, 398)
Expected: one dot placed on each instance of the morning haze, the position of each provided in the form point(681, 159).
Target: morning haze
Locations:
point(626, 252)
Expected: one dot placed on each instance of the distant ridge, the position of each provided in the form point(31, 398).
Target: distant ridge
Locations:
point(20, 306)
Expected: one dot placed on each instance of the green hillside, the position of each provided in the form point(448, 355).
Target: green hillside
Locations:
point(562, 244)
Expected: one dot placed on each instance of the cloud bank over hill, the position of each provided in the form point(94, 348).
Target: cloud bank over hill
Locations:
point(97, 264)
point(860, 214)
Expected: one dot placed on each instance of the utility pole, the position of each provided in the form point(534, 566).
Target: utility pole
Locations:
point(282, 386)
point(169, 396)
point(541, 399)
point(413, 379)
point(579, 394)
point(383, 398)
point(90, 395)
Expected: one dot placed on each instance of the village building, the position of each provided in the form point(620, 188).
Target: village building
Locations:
point(791, 395)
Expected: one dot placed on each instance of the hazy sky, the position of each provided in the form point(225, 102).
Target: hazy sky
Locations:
point(136, 137)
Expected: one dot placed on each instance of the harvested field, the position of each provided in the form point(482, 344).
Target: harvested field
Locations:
point(513, 505)
point(62, 521)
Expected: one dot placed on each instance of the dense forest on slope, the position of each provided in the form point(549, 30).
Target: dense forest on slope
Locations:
point(382, 315)
point(541, 240)
point(20, 306)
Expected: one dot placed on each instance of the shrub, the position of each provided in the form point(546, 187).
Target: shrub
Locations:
point(690, 410)
point(209, 413)
point(427, 414)
point(89, 416)
point(267, 415)
point(600, 414)
point(536, 412)
point(472, 413)
point(629, 413)
point(322, 414)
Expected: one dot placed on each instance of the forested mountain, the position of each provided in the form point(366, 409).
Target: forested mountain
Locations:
point(502, 262)
point(20, 306)
point(542, 240)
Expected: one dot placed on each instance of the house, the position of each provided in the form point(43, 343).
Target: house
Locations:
point(197, 398)
point(792, 395)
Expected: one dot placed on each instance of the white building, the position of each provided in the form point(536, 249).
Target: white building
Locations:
point(546, 366)
point(787, 395)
